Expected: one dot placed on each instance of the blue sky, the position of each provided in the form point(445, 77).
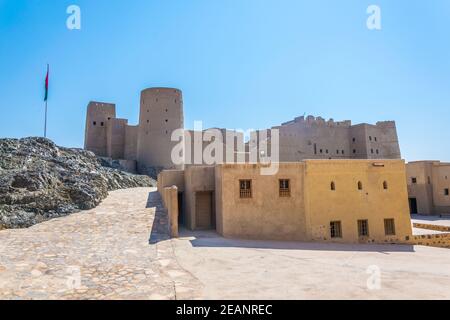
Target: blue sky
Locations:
point(240, 63)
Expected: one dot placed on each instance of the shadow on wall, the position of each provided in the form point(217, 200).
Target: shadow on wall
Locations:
point(213, 240)
point(160, 228)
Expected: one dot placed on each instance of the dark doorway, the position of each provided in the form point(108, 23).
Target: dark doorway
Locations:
point(413, 205)
point(181, 218)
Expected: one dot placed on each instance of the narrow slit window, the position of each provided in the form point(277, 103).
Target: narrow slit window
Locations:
point(360, 185)
point(385, 185)
point(333, 186)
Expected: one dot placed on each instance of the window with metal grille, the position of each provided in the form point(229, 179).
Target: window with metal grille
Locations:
point(245, 189)
point(335, 229)
point(389, 227)
point(363, 228)
point(285, 188)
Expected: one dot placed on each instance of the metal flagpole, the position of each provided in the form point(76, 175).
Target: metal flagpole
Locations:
point(45, 125)
point(46, 100)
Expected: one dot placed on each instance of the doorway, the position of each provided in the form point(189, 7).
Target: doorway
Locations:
point(413, 205)
point(204, 210)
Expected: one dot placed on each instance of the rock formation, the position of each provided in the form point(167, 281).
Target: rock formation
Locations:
point(41, 181)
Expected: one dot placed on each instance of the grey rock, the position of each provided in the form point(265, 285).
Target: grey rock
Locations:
point(41, 181)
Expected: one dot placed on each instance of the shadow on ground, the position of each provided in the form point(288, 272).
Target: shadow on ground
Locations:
point(160, 228)
point(213, 240)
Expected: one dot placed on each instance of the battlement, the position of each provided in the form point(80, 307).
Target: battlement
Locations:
point(318, 121)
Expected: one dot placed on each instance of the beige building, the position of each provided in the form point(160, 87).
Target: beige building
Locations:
point(428, 187)
point(352, 201)
point(148, 146)
point(315, 138)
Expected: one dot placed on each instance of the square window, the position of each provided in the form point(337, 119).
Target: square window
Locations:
point(285, 188)
point(335, 229)
point(414, 180)
point(363, 228)
point(389, 227)
point(94, 123)
point(245, 189)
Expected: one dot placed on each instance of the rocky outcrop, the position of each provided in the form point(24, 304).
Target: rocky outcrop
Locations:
point(41, 181)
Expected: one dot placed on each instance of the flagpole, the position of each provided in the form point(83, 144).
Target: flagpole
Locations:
point(45, 123)
point(46, 101)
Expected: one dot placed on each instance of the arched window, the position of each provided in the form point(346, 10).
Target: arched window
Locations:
point(360, 186)
point(333, 186)
point(385, 185)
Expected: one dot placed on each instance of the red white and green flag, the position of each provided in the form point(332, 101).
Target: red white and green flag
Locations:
point(46, 84)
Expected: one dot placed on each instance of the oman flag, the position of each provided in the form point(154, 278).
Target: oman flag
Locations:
point(46, 84)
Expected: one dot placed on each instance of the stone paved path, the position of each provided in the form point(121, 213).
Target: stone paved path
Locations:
point(119, 250)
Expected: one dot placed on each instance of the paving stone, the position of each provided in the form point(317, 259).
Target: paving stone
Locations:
point(119, 250)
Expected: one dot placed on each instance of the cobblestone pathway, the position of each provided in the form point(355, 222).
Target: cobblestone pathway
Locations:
point(119, 250)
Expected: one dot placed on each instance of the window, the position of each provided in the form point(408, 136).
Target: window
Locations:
point(285, 188)
point(414, 180)
point(321, 151)
point(94, 123)
point(354, 139)
point(148, 121)
point(385, 185)
point(315, 148)
point(429, 180)
point(167, 120)
point(326, 151)
point(371, 150)
point(337, 151)
point(375, 138)
point(333, 186)
point(446, 192)
point(354, 150)
point(360, 186)
point(370, 138)
point(389, 227)
point(102, 124)
point(363, 228)
point(335, 229)
point(378, 151)
point(245, 189)
point(343, 152)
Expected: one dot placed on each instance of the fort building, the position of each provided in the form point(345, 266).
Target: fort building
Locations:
point(147, 147)
point(428, 187)
point(352, 201)
point(315, 138)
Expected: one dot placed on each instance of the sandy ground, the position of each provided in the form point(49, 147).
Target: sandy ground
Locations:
point(242, 269)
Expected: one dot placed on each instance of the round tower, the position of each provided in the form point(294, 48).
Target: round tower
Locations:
point(161, 113)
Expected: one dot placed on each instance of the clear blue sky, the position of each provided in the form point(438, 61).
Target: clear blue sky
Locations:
point(240, 63)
